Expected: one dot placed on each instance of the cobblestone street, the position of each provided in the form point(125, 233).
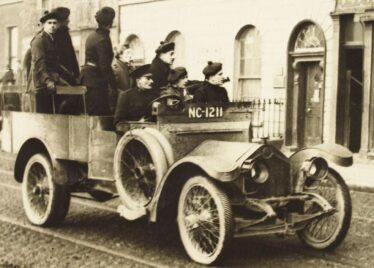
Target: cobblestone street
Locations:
point(96, 237)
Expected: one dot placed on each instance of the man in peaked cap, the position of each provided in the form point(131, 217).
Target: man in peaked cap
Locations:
point(97, 73)
point(134, 104)
point(161, 64)
point(45, 70)
point(211, 90)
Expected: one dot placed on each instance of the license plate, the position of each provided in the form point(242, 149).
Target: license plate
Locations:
point(205, 112)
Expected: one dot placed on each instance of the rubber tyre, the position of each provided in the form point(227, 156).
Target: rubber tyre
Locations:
point(56, 201)
point(157, 157)
point(343, 215)
point(221, 205)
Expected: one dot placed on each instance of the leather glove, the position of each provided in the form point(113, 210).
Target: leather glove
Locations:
point(51, 85)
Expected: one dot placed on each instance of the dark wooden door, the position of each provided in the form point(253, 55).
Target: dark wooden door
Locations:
point(313, 119)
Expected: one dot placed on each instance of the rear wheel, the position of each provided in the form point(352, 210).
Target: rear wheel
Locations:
point(205, 220)
point(328, 232)
point(45, 202)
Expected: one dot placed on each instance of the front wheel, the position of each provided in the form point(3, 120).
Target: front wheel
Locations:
point(328, 232)
point(45, 202)
point(204, 219)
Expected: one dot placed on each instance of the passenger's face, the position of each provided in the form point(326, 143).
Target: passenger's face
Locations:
point(182, 82)
point(216, 79)
point(50, 26)
point(168, 57)
point(127, 55)
point(144, 82)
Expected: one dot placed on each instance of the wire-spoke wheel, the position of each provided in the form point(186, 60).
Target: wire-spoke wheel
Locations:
point(328, 232)
point(45, 202)
point(139, 164)
point(205, 220)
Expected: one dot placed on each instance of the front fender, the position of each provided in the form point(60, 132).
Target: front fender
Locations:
point(335, 153)
point(169, 188)
point(215, 167)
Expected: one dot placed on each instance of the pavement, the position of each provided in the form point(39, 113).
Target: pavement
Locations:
point(359, 176)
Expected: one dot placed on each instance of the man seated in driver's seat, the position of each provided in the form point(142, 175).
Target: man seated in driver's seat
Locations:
point(135, 104)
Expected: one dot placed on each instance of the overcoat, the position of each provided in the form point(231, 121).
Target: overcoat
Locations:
point(44, 61)
point(97, 73)
point(209, 93)
point(122, 73)
point(160, 72)
point(66, 54)
point(133, 104)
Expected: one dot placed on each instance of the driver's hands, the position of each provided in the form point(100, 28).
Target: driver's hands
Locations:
point(51, 85)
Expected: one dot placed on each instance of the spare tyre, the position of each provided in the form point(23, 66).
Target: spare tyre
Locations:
point(139, 165)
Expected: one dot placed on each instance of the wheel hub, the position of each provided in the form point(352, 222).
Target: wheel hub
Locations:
point(37, 190)
point(195, 220)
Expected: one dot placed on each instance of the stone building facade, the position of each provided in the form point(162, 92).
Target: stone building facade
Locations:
point(269, 49)
point(10, 32)
point(315, 56)
point(25, 15)
point(354, 26)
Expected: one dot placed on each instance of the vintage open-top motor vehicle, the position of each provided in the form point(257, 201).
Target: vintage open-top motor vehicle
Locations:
point(196, 164)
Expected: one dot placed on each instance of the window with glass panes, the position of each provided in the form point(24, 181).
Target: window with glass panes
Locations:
point(248, 64)
point(13, 47)
point(136, 45)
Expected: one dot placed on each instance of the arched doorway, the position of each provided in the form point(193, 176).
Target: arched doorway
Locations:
point(306, 87)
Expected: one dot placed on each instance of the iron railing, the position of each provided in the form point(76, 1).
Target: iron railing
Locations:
point(268, 117)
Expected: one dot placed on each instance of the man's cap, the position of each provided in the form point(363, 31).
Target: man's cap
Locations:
point(48, 16)
point(176, 74)
point(105, 16)
point(212, 68)
point(143, 70)
point(63, 12)
point(165, 47)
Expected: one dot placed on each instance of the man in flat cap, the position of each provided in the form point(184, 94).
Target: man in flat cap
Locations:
point(135, 104)
point(161, 65)
point(64, 45)
point(97, 73)
point(211, 91)
point(45, 70)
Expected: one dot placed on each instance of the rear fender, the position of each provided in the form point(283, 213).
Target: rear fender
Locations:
point(34, 146)
point(334, 153)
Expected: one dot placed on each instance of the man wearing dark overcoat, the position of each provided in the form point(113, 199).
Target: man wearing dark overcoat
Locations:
point(64, 46)
point(135, 104)
point(122, 67)
point(97, 73)
point(211, 90)
point(45, 64)
point(161, 65)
